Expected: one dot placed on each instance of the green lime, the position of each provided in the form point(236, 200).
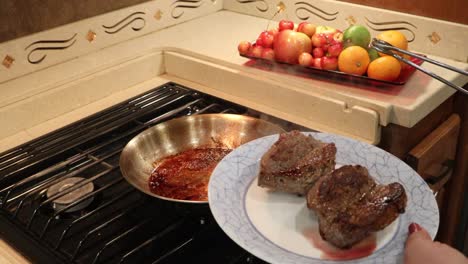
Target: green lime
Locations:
point(373, 54)
point(356, 35)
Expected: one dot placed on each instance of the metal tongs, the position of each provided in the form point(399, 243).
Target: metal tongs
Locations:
point(387, 48)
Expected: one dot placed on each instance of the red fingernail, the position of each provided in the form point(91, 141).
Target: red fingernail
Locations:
point(413, 227)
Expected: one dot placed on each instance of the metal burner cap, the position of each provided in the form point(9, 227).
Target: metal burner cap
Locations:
point(71, 196)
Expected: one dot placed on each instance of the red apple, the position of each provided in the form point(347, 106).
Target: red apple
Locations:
point(268, 54)
point(257, 51)
point(273, 32)
point(337, 37)
point(286, 24)
point(317, 63)
point(306, 28)
point(330, 63)
point(244, 47)
point(334, 50)
point(259, 42)
point(318, 52)
point(290, 44)
point(266, 39)
point(318, 40)
point(305, 59)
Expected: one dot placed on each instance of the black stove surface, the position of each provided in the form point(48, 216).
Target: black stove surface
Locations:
point(112, 222)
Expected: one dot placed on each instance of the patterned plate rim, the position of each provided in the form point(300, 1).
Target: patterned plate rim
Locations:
point(234, 220)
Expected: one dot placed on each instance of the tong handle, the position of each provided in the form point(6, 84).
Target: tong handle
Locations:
point(384, 47)
point(433, 75)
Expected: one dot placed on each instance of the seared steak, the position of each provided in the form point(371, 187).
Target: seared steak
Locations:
point(350, 205)
point(295, 162)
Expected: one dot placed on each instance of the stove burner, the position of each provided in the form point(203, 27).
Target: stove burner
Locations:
point(74, 195)
point(107, 221)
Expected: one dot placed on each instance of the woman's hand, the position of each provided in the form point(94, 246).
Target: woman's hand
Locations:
point(421, 249)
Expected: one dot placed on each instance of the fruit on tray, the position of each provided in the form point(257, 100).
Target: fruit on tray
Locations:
point(384, 68)
point(356, 35)
point(290, 44)
point(305, 59)
point(286, 24)
point(397, 39)
point(244, 47)
point(354, 60)
point(373, 54)
point(328, 48)
point(307, 28)
point(394, 37)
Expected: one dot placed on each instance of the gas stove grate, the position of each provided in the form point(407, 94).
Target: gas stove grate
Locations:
point(117, 223)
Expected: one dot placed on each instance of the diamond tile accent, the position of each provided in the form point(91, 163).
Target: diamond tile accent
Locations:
point(8, 61)
point(91, 36)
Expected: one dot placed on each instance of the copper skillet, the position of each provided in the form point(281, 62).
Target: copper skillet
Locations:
point(180, 134)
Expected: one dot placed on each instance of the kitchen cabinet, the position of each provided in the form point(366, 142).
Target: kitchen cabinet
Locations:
point(438, 144)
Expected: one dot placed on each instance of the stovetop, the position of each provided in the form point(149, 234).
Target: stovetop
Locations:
point(106, 220)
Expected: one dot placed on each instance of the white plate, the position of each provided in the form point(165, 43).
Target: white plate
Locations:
point(272, 226)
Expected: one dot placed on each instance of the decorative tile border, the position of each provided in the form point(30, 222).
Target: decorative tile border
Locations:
point(42, 46)
point(136, 21)
point(427, 35)
point(44, 49)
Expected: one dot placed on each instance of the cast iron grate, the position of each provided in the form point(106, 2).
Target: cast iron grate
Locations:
point(120, 224)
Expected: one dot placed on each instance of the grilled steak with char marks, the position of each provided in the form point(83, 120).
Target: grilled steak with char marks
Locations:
point(295, 162)
point(350, 205)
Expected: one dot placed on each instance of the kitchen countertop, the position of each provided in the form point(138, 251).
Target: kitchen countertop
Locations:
point(404, 105)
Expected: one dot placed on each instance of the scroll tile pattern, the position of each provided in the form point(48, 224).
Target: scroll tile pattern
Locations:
point(43, 49)
point(136, 21)
point(179, 7)
point(261, 5)
point(305, 11)
point(43, 46)
point(340, 15)
point(233, 176)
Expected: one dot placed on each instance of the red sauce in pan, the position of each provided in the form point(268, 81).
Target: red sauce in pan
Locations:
point(362, 249)
point(185, 176)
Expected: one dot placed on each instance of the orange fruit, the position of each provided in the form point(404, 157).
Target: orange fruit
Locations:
point(353, 60)
point(404, 65)
point(384, 68)
point(394, 37)
point(397, 39)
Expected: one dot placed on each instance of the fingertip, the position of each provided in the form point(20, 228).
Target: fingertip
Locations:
point(414, 227)
point(416, 231)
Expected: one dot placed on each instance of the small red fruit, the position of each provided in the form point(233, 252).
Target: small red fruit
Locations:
point(286, 24)
point(330, 63)
point(244, 47)
point(259, 42)
point(305, 59)
point(318, 52)
point(306, 28)
point(337, 37)
point(317, 63)
point(268, 54)
point(334, 50)
point(318, 40)
point(257, 51)
point(273, 31)
point(266, 39)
